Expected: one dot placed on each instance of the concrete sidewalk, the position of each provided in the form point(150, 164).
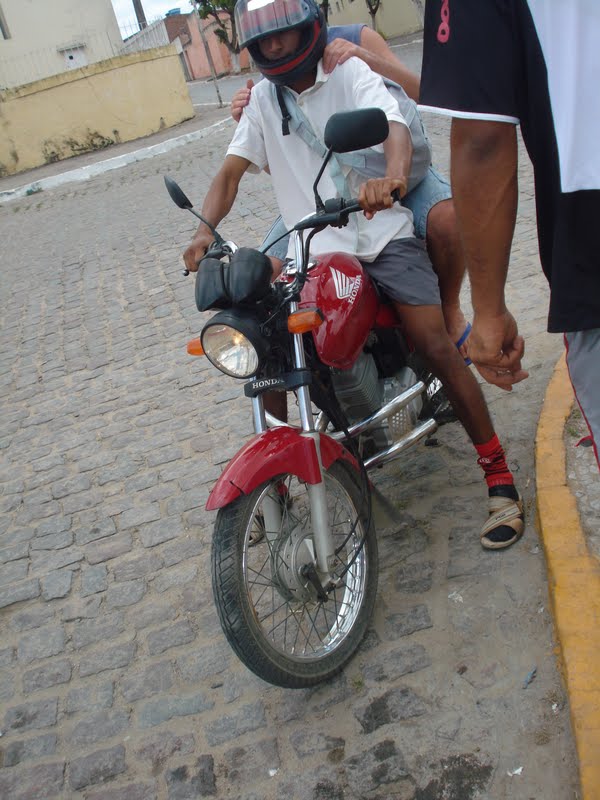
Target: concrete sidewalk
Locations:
point(573, 574)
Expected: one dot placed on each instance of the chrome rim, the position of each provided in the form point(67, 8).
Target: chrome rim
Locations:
point(276, 546)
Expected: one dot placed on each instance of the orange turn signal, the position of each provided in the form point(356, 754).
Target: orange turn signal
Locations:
point(194, 347)
point(304, 321)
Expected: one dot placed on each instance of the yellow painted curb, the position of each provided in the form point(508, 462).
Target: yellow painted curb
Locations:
point(573, 580)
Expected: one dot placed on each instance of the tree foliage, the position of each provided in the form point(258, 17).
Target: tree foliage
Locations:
point(221, 13)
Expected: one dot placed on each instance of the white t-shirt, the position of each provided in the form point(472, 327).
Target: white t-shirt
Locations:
point(294, 165)
point(568, 34)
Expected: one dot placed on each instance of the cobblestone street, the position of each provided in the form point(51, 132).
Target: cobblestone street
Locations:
point(116, 682)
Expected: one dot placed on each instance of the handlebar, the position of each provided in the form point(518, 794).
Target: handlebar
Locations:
point(335, 212)
point(217, 249)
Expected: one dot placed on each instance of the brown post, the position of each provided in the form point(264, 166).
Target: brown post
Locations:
point(139, 13)
point(209, 57)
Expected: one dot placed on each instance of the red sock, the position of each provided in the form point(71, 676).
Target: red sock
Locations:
point(493, 463)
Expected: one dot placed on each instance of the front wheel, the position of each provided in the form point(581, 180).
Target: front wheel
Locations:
point(269, 611)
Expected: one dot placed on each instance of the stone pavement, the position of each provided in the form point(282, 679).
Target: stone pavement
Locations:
point(115, 679)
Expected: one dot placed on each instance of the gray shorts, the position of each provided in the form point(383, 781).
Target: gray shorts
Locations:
point(428, 193)
point(583, 361)
point(404, 273)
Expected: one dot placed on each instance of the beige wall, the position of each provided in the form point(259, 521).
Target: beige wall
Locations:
point(47, 37)
point(89, 108)
point(394, 18)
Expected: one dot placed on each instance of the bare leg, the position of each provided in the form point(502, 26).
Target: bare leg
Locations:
point(445, 252)
point(425, 327)
point(276, 404)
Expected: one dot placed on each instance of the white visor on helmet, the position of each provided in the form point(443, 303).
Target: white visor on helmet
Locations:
point(258, 18)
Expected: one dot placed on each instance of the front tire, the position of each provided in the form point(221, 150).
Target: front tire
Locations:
point(269, 612)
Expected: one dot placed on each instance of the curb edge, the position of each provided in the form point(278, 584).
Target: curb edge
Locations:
point(573, 579)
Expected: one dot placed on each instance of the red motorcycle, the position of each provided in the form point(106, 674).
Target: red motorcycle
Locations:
point(294, 555)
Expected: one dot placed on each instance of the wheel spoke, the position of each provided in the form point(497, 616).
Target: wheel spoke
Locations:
point(285, 606)
point(273, 612)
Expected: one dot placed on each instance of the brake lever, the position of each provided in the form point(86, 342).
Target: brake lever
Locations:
point(215, 250)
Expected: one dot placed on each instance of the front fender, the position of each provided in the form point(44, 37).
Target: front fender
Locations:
point(274, 452)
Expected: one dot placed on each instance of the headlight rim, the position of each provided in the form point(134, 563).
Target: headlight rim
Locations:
point(248, 326)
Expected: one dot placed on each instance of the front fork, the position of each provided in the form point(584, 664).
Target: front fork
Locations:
point(317, 493)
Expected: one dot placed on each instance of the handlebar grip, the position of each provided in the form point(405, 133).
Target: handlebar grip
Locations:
point(350, 206)
point(214, 251)
point(353, 204)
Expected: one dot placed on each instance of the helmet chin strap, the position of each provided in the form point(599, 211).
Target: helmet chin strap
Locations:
point(285, 114)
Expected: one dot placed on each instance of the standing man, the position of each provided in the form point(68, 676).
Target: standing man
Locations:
point(493, 64)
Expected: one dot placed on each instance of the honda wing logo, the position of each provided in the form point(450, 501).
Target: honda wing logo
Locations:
point(345, 288)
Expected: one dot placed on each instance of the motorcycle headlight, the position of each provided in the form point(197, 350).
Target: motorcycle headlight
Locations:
point(234, 344)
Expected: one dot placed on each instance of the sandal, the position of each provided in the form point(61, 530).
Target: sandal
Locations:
point(505, 524)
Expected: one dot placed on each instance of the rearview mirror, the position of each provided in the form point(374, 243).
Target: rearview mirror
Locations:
point(177, 194)
point(355, 130)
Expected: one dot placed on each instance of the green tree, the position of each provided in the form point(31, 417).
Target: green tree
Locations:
point(221, 12)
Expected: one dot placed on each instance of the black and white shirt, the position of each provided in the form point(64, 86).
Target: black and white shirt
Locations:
point(536, 63)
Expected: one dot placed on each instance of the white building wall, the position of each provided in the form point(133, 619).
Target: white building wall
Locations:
point(155, 35)
point(46, 37)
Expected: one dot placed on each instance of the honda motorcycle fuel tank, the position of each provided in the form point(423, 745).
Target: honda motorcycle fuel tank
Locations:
point(341, 289)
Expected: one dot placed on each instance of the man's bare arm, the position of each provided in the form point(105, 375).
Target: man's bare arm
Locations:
point(216, 206)
point(484, 186)
point(398, 152)
point(376, 194)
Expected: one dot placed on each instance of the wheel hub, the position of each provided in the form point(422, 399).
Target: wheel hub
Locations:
point(289, 557)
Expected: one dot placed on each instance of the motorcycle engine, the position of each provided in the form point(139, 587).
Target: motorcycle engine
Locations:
point(358, 389)
point(360, 392)
point(406, 418)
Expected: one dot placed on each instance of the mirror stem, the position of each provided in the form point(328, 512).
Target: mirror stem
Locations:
point(318, 202)
point(218, 238)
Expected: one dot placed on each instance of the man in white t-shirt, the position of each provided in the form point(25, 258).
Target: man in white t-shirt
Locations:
point(286, 39)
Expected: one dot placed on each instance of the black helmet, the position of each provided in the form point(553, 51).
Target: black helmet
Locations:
point(256, 19)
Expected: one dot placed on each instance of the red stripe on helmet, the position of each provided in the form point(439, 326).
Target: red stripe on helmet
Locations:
point(289, 65)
